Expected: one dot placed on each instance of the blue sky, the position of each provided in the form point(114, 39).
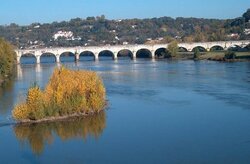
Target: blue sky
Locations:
point(29, 11)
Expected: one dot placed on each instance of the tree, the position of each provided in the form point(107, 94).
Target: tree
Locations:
point(94, 31)
point(196, 53)
point(7, 59)
point(169, 39)
point(246, 15)
point(173, 48)
point(230, 55)
point(188, 39)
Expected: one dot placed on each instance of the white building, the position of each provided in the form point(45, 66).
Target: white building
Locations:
point(247, 31)
point(134, 26)
point(117, 38)
point(37, 26)
point(64, 34)
point(233, 35)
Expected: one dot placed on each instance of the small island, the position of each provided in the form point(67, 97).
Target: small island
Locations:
point(69, 93)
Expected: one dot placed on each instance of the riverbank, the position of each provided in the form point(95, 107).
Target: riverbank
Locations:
point(60, 118)
point(220, 56)
point(213, 56)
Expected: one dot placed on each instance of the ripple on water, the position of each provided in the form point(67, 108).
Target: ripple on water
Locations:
point(171, 111)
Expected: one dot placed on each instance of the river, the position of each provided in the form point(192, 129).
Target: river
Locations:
point(159, 112)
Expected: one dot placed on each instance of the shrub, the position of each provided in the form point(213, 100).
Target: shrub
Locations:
point(217, 58)
point(230, 55)
point(196, 53)
point(67, 93)
point(173, 48)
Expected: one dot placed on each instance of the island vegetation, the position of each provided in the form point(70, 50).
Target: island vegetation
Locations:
point(7, 60)
point(69, 93)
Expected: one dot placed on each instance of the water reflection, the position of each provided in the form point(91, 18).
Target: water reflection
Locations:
point(6, 97)
point(19, 72)
point(38, 68)
point(37, 136)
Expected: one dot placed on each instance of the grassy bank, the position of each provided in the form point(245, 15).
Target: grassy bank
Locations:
point(220, 55)
point(68, 94)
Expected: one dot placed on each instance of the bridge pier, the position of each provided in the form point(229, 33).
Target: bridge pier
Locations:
point(57, 58)
point(18, 58)
point(133, 55)
point(115, 57)
point(77, 57)
point(225, 46)
point(153, 54)
point(96, 56)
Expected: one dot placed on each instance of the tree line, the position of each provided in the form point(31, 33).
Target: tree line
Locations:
point(94, 31)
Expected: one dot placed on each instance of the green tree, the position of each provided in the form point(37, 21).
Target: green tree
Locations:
point(196, 53)
point(100, 30)
point(173, 48)
point(230, 55)
point(7, 59)
point(246, 15)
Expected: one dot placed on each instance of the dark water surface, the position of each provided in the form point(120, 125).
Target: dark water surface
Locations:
point(159, 112)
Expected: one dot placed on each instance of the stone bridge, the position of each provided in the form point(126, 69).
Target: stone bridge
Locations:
point(133, 49)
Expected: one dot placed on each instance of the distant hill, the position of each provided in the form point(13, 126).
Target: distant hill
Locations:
point(94, 31)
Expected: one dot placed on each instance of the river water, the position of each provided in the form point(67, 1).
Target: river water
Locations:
point(159, 112)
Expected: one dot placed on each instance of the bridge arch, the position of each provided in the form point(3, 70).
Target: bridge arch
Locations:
point(235, 48)
point(86, 56)
point(48, 57)
point(182, 49)
point(200, 48)
point(144, 53)
point(28, 58)
point(124, 54)
point(216, 48)
point(67, 56)
point(162, 53)
point(247, 47)
point(106, 55)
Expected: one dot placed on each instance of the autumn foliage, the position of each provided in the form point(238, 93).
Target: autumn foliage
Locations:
point(7, 60)
point(67, 93)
